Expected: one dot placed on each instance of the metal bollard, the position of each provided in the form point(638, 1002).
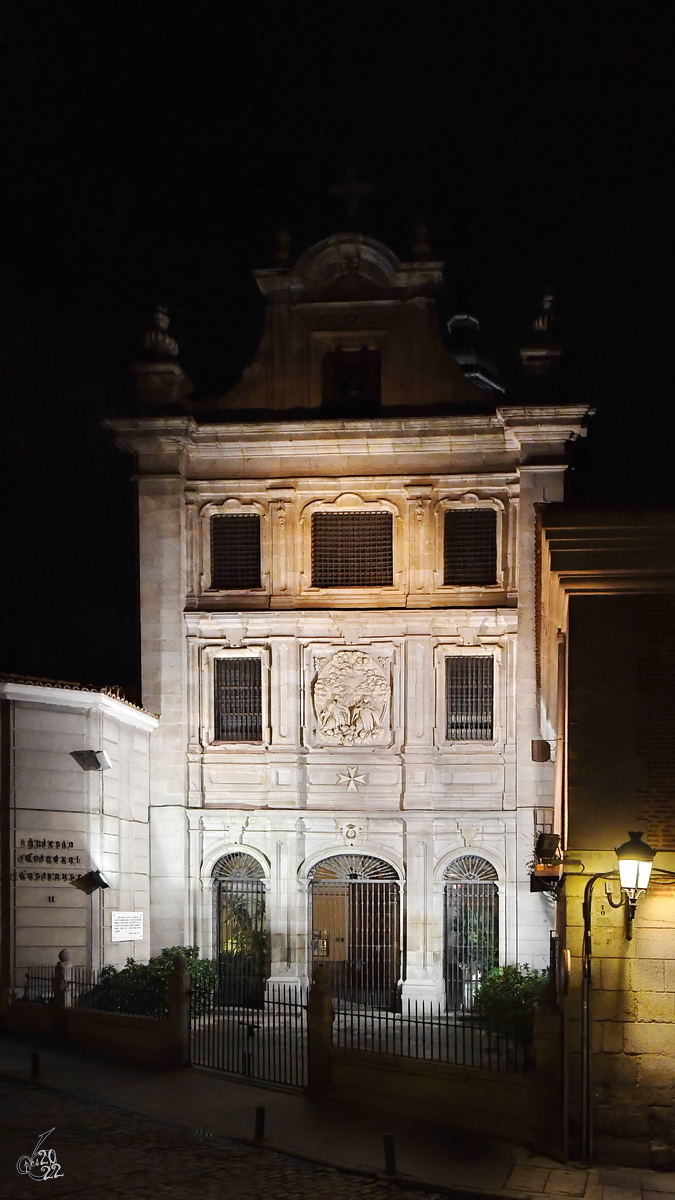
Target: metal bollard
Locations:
point(389, 1154)
point(259, 1124)
point(34, 1065)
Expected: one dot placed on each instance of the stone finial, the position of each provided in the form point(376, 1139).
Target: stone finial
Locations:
point(545, 321)
point(544, 349)
point(421, 246)
point(282, 256)
point(64, 956)
point(159, 379)
point(157, 342)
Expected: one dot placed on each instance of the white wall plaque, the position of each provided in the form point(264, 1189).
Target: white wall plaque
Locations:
point(127, 927)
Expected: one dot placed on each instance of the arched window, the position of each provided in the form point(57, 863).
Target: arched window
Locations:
point(471, 927)
point(241, 950)
point(355, 928)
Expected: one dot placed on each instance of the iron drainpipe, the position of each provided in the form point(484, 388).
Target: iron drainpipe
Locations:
point(586, 1047)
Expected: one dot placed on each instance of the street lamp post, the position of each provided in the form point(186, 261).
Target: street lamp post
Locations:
point(635, 860)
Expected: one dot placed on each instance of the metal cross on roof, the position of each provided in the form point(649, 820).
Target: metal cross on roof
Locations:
point(351, 190)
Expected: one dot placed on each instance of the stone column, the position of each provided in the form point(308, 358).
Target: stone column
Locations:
point(534, 781)
point(420, 540)
point(163, 662)
point(282, 583)
point(421, 983)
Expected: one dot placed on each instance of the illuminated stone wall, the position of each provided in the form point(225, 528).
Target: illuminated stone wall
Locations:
point(66, 821)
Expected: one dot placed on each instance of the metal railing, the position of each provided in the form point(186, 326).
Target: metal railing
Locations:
point(39, 985)
point(264, 1040)
point(425, 1031)
point(100, 991)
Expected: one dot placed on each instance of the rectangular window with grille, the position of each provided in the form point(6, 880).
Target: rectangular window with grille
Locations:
point(470, 547)
point(352, 549)
point(235, 551)
point(238, 699)
point(469, 688)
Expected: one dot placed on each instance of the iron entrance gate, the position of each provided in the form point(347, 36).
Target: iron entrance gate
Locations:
point(355, 928)
point(471, 928)
point(239, 893)
point(240, 1022)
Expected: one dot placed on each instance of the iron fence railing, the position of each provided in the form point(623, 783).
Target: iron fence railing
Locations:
point(425, 1031)
point(265, 1040)
point(100, 991)
point(39, 983)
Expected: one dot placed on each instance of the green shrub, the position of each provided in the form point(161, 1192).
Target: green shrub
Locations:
point(140, 988)
point(507, 999)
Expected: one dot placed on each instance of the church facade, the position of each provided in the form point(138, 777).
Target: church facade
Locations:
point(337, 581)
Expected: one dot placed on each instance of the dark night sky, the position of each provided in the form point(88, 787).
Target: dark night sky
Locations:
point(151, 152)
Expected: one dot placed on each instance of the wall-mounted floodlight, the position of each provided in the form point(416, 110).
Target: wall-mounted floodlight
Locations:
point(91, 882)
point(548, 864)
point(92, 760)
point(635, 859)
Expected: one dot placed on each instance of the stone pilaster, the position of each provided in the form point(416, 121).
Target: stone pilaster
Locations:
point(162, 555)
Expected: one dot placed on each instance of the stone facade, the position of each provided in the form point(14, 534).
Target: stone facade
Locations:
point(607, 675)
point(331, 773)
point(61, 821)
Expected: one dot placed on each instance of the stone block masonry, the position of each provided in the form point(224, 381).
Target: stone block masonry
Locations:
point(633, 1020)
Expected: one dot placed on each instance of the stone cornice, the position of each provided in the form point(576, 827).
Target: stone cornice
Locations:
point(517, 433)
point(356, 625)
point(68, 697)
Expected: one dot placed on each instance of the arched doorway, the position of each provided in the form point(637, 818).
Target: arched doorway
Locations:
point(241, 949)
point(471, 927)
point(355, 928)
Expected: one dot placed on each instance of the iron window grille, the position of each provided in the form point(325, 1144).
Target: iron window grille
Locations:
point(238, 699)
point(352, 549)
point(470, 547)
point(235, 551)
point(469, 685)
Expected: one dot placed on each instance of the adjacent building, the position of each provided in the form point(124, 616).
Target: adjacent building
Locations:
point(75, 776)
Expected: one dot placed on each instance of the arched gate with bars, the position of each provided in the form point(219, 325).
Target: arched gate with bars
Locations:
point(241, 949)
point(355, 922)
point(471, 928)
point(240, 1022)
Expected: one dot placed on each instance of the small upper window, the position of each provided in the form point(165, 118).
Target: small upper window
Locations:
point(351, 379)
point(470, 547)
point(352, 549)
point(235, 551)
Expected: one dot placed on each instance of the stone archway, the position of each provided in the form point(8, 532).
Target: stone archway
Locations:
point(355, 922)
point(241, 946)
point(471, 936)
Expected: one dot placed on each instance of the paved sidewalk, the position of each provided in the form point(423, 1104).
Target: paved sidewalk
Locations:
point(341, 1136)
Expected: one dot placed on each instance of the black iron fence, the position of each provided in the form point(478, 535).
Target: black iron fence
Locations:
point(423, 1030)
point(265, 1039)
point(261, 1032)
point(100, 991)
point(39, 983)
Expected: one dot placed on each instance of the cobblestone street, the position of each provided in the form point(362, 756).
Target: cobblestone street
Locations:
point(105, 1152)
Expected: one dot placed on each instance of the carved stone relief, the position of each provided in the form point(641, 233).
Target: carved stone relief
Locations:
point(351, 698)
